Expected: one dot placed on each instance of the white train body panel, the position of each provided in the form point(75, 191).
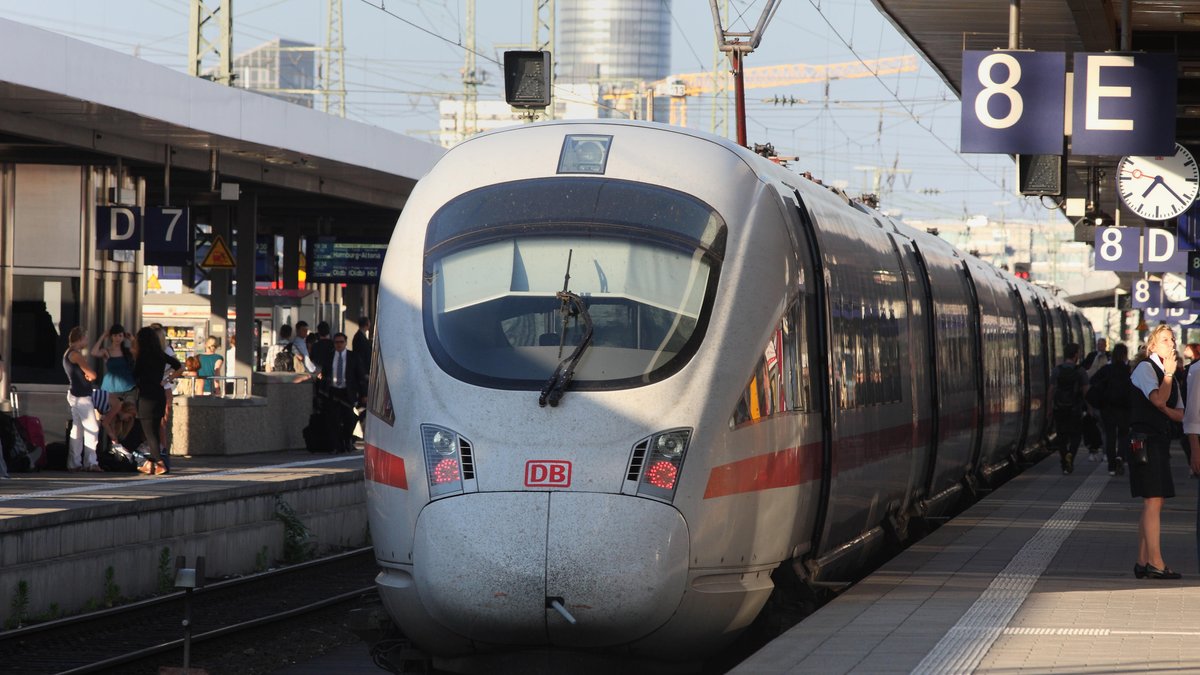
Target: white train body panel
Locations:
point(477, 569)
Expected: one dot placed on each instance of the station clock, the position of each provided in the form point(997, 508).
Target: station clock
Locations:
point(1158, 188)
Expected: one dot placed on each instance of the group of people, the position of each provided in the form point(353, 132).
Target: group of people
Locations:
point(139, 373)
point(1142, 409)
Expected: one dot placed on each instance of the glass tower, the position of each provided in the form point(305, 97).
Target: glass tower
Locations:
point(612, 42)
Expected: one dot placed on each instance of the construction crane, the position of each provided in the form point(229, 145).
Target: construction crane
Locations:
point(680, 87)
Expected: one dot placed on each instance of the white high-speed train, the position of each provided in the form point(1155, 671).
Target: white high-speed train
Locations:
point(625, 371)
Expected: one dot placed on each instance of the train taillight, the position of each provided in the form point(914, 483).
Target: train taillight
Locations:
point(660, 460)
point(449, 464)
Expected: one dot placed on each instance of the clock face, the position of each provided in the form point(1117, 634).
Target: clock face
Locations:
point(1159, 188)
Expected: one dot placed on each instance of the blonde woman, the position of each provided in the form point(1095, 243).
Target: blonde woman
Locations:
point(211, 363)
point(1155, 415)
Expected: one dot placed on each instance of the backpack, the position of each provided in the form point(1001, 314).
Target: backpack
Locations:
point(284, 361)
point(1066, 387)
point(1097, 393)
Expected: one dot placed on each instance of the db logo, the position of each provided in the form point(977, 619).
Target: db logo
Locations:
point(547, 473)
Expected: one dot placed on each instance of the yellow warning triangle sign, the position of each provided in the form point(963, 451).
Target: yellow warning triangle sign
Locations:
point(218, 256)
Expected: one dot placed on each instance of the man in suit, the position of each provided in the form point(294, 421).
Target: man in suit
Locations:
point(361, 345)
point(346, 383)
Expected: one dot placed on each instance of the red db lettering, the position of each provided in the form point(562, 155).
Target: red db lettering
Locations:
point(547, 473)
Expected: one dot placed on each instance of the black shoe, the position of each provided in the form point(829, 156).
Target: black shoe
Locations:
point(1139, 571)
point(1153, 572)
point(1120, 468)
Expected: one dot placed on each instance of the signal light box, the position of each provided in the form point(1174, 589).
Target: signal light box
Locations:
point(527, 79)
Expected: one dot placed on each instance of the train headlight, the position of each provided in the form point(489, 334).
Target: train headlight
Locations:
point(443, 442)
point(657, 462)
point(449, 461)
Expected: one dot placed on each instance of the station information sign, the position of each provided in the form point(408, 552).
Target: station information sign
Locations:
point(1121, 104)
point(1133, 249)
point(353, 261)
point(1013, 102)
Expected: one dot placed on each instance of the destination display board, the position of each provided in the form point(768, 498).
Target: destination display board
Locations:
point(346, 261)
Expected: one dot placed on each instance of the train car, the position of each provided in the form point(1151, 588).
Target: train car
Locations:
point(625, 372)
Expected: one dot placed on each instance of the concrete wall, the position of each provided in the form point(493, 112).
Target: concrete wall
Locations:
point(273, 418)
point(63, 555)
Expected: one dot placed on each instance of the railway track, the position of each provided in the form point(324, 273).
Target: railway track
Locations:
point(124, 637)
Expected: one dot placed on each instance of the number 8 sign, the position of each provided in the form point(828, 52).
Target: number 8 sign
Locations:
point(1013, 102)
point(1118, 249)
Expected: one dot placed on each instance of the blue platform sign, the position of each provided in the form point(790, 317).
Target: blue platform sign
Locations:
point(1012, 102)
point(118, 228)
point(1163, 251)
point(168, 235)
point(1146, 294)
point(1124, 104)
point(1129, 249)
point(1118, 249)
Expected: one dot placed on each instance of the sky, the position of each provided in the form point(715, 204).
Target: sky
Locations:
point(403, 56)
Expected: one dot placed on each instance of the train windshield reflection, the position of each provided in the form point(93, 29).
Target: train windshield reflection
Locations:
point(492, 317)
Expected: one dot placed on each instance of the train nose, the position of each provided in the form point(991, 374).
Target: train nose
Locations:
point(616, 564)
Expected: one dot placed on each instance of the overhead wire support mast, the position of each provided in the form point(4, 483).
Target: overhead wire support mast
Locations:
point(738, 44)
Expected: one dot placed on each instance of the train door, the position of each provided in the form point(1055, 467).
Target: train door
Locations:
point(921, 363)
point(956, 371)
point(869, 455)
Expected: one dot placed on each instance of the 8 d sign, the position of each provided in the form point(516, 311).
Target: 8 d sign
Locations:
point(1124, 249)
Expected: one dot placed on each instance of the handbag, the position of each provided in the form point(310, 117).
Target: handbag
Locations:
point(1137, 449)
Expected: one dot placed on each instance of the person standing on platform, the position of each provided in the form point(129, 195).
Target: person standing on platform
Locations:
point(1191, 430)
point(300, 348)
point(1093, 425)
point(280, 355)
point(211, 363)
point(85, 430)
point(361, 344)
point(345, 382)
point(168, 384)
point(1109, 392)
point(321, 353)
point(113, 348)
point(1098, 358)
point(1068, 386)
point(1155, 416)
point(149, 363)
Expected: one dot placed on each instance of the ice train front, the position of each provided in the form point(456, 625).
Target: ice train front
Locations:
point(536, 393)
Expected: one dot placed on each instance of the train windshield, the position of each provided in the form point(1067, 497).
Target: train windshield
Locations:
point(494, 265)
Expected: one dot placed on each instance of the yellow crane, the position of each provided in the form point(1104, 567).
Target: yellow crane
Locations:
point(680, 87)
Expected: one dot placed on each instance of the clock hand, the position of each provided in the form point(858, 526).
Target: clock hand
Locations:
point(1173, 194)
point(1157, 181)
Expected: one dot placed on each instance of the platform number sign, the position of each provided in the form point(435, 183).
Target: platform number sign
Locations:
point(1013, 102)
point(1118, 249)
point(1146, 294)
point(168, 235)
point(1128, 249)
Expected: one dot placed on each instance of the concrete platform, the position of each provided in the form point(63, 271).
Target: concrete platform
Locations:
point(61, 533)
point(1036, 578)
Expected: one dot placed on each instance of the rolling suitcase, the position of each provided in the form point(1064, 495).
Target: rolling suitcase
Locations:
point(31, 431)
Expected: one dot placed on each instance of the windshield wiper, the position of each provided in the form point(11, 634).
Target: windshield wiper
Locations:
point(570, 305)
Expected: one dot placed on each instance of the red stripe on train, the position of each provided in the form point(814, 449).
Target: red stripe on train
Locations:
point(384, 467)
point(785, 468)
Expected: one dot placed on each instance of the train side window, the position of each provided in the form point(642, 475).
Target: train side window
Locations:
point(780, 381)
